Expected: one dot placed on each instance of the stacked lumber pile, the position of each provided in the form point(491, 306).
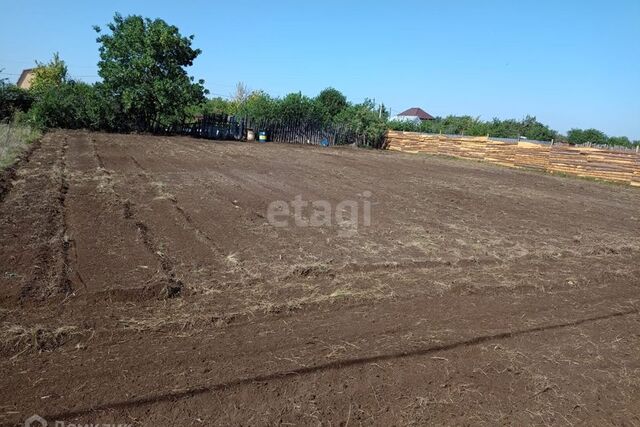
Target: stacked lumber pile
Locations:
point(611, 164)
point(595, 163)
point(502, 153)
point(621, 166)
point(566, 159)
point(412, 142)
point(530, 155)
point(458, 146)
point(464, 147)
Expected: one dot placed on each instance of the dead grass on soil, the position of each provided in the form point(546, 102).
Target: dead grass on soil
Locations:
point(200, 312)
point(19, 339)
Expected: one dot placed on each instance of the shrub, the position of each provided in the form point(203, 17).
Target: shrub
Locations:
point(74, 105)
point(13, 100)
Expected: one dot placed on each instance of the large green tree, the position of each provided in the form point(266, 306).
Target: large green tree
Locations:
point(330, 103)
point(620, 141)
point(48, 75)
point(258, 106)
point(297, 107)
point(584, 136)
point(142, 64)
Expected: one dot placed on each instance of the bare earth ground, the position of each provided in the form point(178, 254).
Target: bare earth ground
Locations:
point(141, 283)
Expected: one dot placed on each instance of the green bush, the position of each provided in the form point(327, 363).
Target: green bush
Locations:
point(13, 100)
point(366, 125)
point(74, 105)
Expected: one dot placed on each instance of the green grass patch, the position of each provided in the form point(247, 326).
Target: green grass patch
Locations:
point(14, 140)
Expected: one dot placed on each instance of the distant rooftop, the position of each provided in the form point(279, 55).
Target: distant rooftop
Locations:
point(417, 112)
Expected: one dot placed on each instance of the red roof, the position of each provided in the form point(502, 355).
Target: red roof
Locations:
point(417, 112)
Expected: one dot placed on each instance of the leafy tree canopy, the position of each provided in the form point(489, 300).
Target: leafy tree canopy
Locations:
point(142, 64)
point(331, 102)
point(580, 136)
point(620, 140)
point(47, 75)
point(258, 105)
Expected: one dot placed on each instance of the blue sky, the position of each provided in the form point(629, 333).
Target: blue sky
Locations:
point(570, 63)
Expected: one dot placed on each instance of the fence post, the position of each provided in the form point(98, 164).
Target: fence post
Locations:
point(10, 124)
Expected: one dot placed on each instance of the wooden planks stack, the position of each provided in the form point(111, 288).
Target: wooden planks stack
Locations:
point(613, 165)
point(529, 155)
point(595, 163)
point(502, 153)
point(412, 142)
point(565, 159)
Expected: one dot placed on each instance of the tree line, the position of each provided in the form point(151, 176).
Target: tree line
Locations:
point(145, 86)
point(528, 127)
point(329, 109)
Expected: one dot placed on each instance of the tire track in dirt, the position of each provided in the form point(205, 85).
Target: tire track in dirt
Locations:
point(359, 267)
point(64, 282)
point(52, 258)
point(106, 258)
point(174, 286)
point(194, 261)
point(175, 395)
point(183, 214)
point(320, 269)
point(320, 359)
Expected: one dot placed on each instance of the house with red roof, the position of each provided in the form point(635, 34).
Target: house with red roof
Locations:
point(414, 113)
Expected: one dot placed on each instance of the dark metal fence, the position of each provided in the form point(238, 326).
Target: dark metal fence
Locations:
point(224, 127)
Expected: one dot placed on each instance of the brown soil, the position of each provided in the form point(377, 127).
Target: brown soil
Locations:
point(8, 174)
point(141, 283)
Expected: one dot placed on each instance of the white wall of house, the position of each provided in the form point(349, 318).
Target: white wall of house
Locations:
point(412, 119)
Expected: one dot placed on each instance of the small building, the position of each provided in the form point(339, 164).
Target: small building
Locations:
point(414, 114)
point(24, 81)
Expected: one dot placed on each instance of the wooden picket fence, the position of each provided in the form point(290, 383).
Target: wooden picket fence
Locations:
point(608, 164)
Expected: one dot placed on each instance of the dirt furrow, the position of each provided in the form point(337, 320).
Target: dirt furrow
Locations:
point(174, 286)
point(475, 295)
point(35, 256)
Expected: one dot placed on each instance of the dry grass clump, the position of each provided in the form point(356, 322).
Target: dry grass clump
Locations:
point(309, 270)
point(20, 339)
